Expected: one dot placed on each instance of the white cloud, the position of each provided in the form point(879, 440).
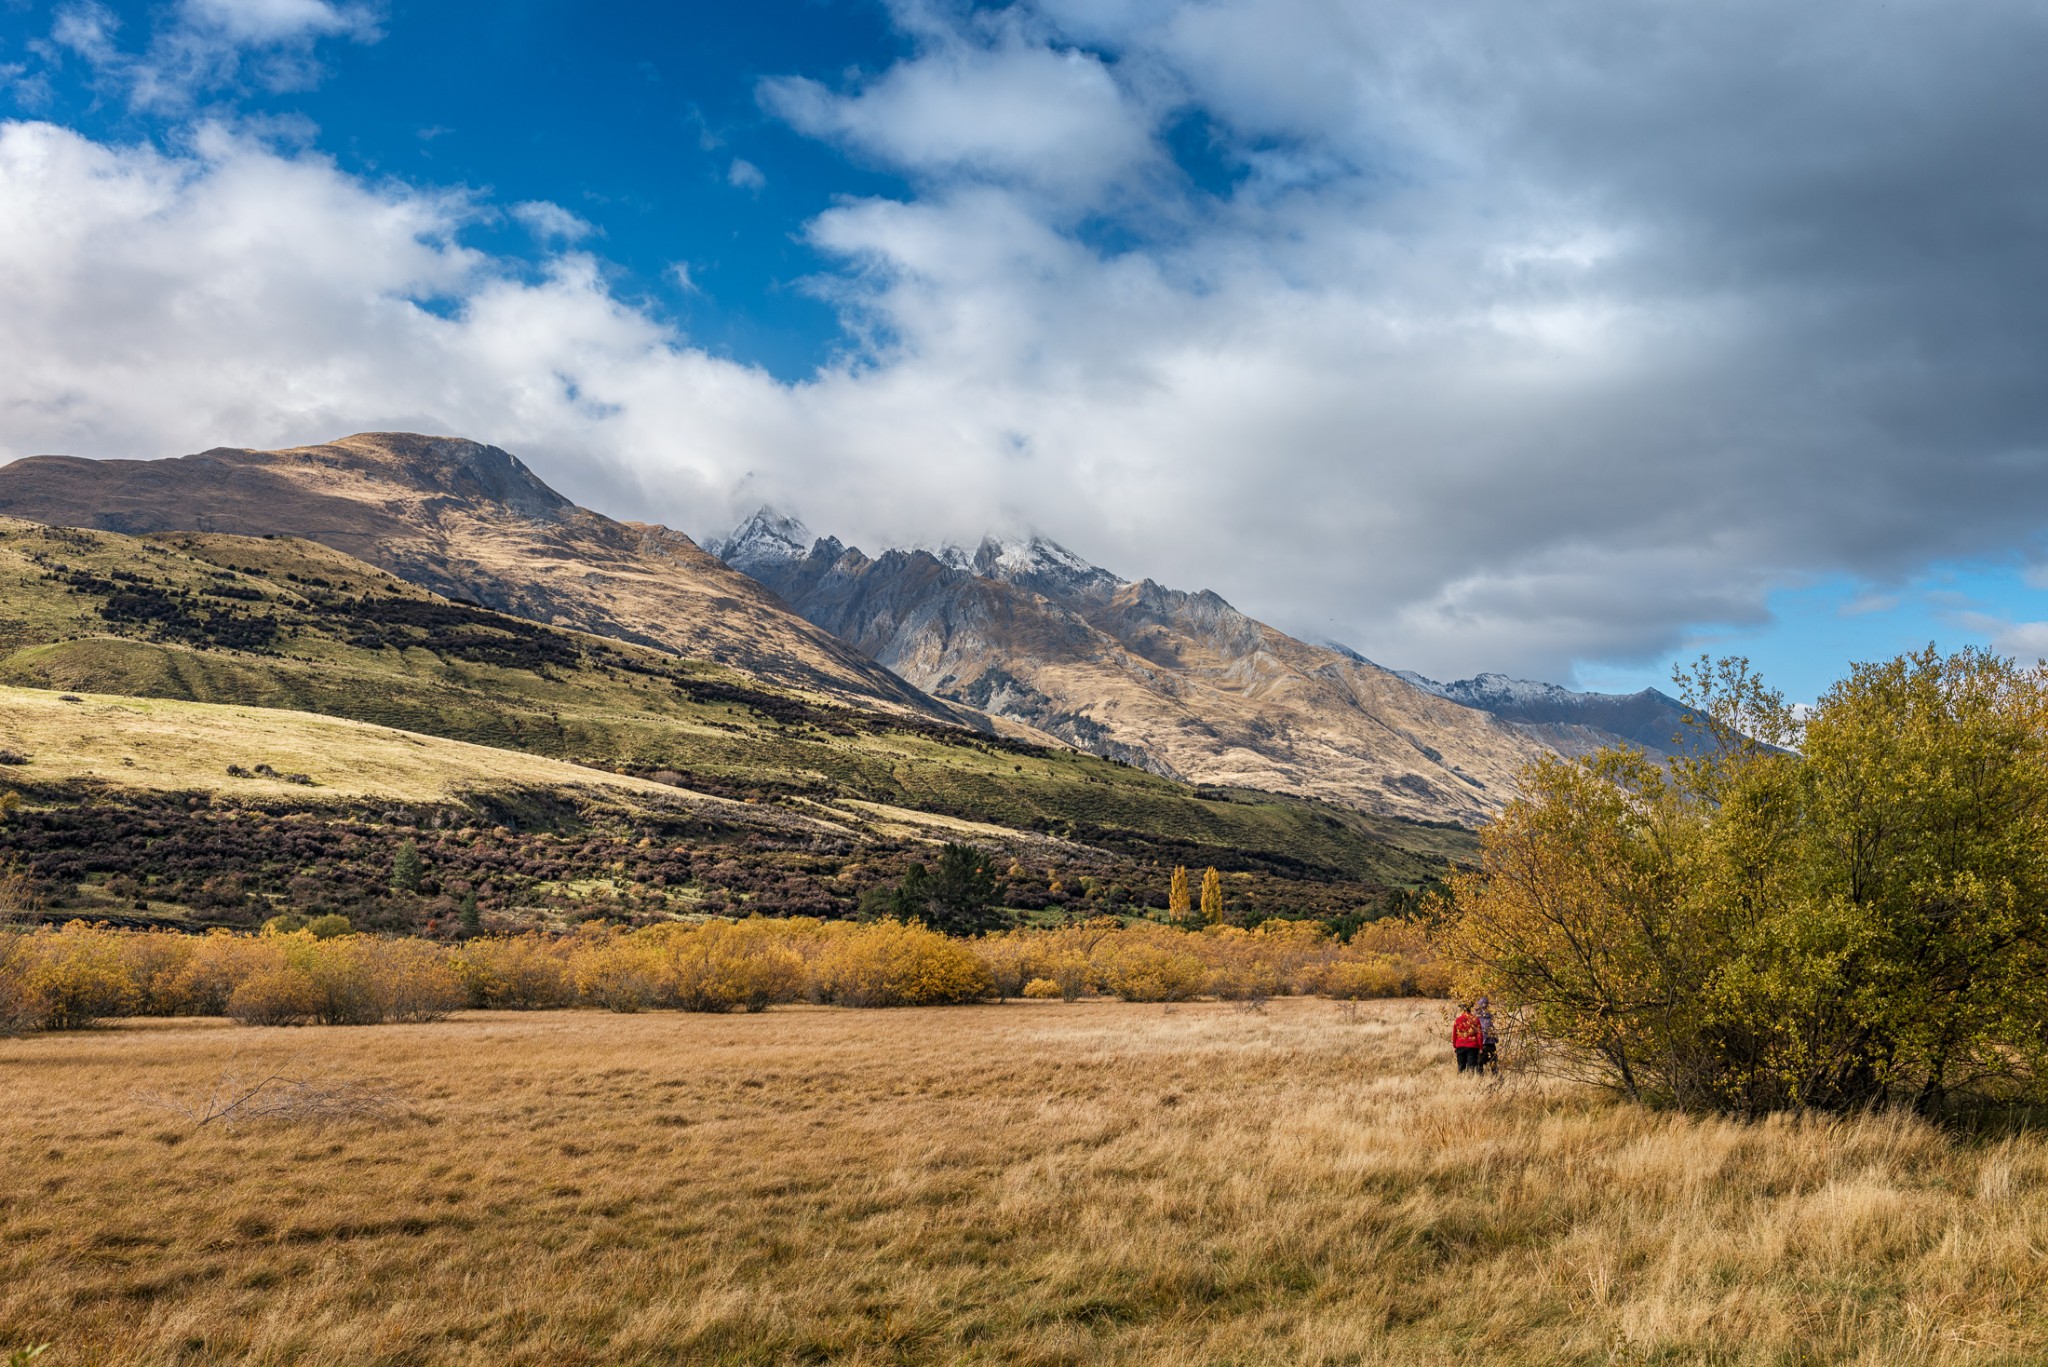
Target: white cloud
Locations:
point(162, 303)
point(257, 22)
point(206, 46)
point(1499, 338)
point(87, 29)
point(744, 175)
point(1866, 603)
point(2028, 641)
point(551, 222)
point(1050, 118)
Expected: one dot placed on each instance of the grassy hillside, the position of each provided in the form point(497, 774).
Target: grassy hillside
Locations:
point(469, 521)
point(283, 623)
point(268, 756)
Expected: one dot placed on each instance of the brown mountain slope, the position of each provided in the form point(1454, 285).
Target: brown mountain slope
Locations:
point(468, 521)
point(1182, 683)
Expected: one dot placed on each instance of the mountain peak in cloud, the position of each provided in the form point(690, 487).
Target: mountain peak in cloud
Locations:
point(764, 538)
point(1038, 563)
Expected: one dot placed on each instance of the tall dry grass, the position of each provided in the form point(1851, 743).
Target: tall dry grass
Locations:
point(1034, 1183)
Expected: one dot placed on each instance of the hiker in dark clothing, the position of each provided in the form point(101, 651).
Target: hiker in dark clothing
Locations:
point(1467, 1039)
point(1489, 1037)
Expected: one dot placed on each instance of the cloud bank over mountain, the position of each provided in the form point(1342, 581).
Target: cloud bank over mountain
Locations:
point(1480, 337)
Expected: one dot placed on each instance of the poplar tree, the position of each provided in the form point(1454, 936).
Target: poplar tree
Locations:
point(1178, 907)
point(1212, 898)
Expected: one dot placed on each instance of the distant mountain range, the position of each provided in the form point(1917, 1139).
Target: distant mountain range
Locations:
point(1572, 723)
point(1017, 636)
point(1181, 683)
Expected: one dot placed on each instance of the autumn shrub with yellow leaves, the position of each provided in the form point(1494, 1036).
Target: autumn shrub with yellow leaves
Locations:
point(1391, 958)
point(68, 978)
point(63, 980)
point(892, 963)
point(720, 965)
point(516, 972)
point(1144, 967)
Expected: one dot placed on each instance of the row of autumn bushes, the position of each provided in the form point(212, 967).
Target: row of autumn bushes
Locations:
point(71, 977)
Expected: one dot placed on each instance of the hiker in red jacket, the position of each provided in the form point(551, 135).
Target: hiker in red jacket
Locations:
point(1467, 1040)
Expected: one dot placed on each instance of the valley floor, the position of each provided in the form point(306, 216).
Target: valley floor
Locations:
point(1029, 1183)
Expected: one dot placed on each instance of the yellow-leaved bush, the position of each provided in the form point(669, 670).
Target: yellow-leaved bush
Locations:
point(1389, 958)
point(68, 978)
point(890, 963)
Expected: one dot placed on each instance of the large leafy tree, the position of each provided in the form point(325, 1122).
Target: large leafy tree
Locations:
point(1848, 910)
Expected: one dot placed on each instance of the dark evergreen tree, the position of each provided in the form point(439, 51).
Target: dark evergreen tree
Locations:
point(911, 900)
point(961, 894)
point(407, 868)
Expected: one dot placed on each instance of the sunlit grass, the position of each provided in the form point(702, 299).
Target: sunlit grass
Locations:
point(1041, 1183)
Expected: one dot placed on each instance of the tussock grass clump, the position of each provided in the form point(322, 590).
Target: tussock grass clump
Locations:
point(1038, 1183)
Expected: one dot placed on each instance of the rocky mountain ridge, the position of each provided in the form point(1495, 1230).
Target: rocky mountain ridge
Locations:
point(1178, 682)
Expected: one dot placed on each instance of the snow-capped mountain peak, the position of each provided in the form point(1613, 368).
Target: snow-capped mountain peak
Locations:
point(766, 537)
point(1569, 722)
point(953, 555)
point(1038, 563)
point(1494, 692)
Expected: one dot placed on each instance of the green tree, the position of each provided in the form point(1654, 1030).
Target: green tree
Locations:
point(961, 895)
point(1844, 912)
point(880, 902)
point(467, 916)
point(407, 868)
point(912, 895)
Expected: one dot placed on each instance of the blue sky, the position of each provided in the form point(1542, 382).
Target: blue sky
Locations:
point(1565, 344)
point(632, 117)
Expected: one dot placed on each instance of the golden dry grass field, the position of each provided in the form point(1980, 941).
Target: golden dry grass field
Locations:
point(1030, 1183)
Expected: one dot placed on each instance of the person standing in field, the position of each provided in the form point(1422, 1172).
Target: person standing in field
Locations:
point(1467, 1039)
point(1489, 1037)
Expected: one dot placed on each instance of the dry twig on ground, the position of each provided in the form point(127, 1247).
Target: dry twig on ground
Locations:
point(239, 1097)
